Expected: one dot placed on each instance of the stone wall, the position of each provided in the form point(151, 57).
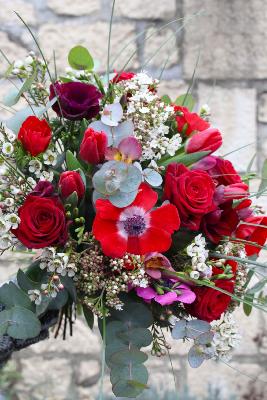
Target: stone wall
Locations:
point(227, 40)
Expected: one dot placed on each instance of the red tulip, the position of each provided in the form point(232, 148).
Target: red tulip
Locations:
point(208, 140)
point(93, 147)
point(70, 182)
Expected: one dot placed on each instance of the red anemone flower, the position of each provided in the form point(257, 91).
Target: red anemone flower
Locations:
point(135, 229)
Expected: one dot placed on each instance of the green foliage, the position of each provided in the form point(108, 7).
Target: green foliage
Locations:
point(25, 283)
point(79, 58)
point(89, 316)
point(166, 99)
point(11, 295)
point(19, 323)
point(72, 162)
point(186, 100)
point(14, 95)
point(185, 159)
point(126, 334)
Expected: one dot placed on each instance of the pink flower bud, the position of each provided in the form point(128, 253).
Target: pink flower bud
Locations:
point(93, 146)
point(208, 140)
point(69, 182)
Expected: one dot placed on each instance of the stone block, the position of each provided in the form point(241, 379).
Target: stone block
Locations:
point(77, 7)
point(94, 36)
point(12, 50)
point(234, 113)
point(229, 35)
point(140, 9)
point(172, 88)
point(25, 9)
point(262, 108)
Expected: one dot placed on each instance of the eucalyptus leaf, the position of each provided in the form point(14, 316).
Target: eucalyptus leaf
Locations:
point(69, 285)
point(204, 338)
point(124, 388)
point(135, 315)
point(89, 316)
point(79, 58)
point(11, 295)
point(133, 356)
point(195, 356)
point(121, 199)
point(179, 329)
point(138, 373)
point(25, 283)
point(139, 337)
point(14, 95)
point(196, 327)
point(59, 301)
point(20, 323)
point(152, 177)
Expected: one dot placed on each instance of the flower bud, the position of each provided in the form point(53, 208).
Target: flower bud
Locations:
point(93, 146)
point(69, 182)
point(207, 140)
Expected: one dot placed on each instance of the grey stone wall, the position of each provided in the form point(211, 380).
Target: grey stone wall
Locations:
point(228, 36)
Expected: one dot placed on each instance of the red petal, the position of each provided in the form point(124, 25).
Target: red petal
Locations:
point(106, 210)
point(154, 239)
point(165, 217)
point(146, 197)
point(114, 245)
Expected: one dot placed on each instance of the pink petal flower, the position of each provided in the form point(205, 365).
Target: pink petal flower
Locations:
point(187, 296)
point(166, 299)
point(130, 148)
point(146, 293)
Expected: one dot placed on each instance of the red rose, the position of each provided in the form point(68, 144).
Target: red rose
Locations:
point(123, 76)
point(188, 122)
point(42, 222)
point(191, 192)
point(93, 147)
point(220, 222)
point(256, 232)
point(35, 135)
point(208, 140)
point(210, 303)
point(222, 171)
point(69, 182)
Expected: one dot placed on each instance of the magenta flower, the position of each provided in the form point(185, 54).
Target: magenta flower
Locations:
point(184, 295)
point(128, 150)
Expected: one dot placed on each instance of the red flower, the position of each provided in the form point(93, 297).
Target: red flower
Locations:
point(35, 135)
point(221, 222)
point(235, 191)
point(69, 182)
point(135, 229)
point(208, 140)
point(256, 232)
point(191, 192)
point(221, 170)
point(42, 222)
point(93, 146)
point(210, 303)
point(123, 76)
point(188, 122)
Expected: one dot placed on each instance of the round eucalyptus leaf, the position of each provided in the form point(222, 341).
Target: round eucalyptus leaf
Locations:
point(195, 356)
point(179, 329)
point(139, 373)
point(121, 199)
point(133, 179)
point(79, 58)
point(196, 327)
point(23, 323)
point(205, 338)
point(125, 357)
point(124, 388)
point(122, 131)
point(139, 337)
point(135, 315)
point(152, 177)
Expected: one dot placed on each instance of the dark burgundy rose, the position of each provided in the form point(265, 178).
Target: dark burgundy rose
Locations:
point(77, 100)
point(44, 189)
point(221, 222)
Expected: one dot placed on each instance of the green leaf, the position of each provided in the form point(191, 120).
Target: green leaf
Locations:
point(11, 295)
point(25, 283)
point(20, 323)
point(89, 316)
point(186, 100)
point(185, 159)
point(60, 301)
point(248, 307)
point(257, 287)
point(72, 200)
point(133, 356)
point(72, 162)
point(41, 308)
point(126, 389)
point(14, 95)
point(135, 315)
point(138, 337)
point(195, 356)
point(166, 99)
point(263, 184)
point(80, 58)
point(138, 373)
point(70, 287)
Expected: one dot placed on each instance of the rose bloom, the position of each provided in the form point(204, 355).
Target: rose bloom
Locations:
point(43, 222)
point(135, 229)
point(210, 303)
point(93, 147)
point(222, 171)
point(44, 189)
point(77, 100)
point(70, 182)
point(191, 192)
point(35, 135)
point(188, 122)
point(208, 140)
point(122, 76)
point(220, 222)
point(256, 232)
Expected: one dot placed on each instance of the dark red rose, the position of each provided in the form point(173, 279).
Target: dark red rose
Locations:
point(44, 189)
point(123, 76)
point(221, 170)
point(220, 222)
point(191, 192)
point(208, 140)
point(253, 229)
point(42, 222)
point(77, 100)
point(70, 182)
point(93, 147)
point(188, 122)
point(210, 303)
point(35, 135)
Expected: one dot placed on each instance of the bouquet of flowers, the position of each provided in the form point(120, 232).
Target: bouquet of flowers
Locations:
point(129, 216)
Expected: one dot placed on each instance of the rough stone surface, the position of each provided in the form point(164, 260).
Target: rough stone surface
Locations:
point(77, 7)
point(229, 37)
point(24, 8)
point(87, 35)
point(233, 112)
point(12, 50)
point(262, 108)
point(145, 10)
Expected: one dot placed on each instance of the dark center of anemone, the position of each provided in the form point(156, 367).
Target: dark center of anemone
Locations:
point(134, 226)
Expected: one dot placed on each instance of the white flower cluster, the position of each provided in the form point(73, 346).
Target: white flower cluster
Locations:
point(26, 65)
point(150, 115)
point(36, 167)
point(226, 336)
point(6, 141)
point(57, 262)
point(136, 279)
point(199, 254)
point(35, 296)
